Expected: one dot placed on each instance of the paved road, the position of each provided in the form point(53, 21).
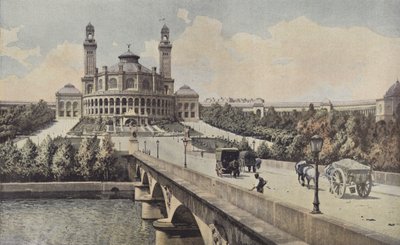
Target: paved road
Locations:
point(58, 128)
point(208, 130)
point(379, 212)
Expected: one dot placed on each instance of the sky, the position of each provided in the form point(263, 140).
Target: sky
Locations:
point(276, 50)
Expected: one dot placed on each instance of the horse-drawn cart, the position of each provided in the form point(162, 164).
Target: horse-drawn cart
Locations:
point(353, 174)
point(227, 161)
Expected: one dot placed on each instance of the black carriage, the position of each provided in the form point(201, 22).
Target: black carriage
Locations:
point(227, 161)
point(247, 159)
point(351, 174)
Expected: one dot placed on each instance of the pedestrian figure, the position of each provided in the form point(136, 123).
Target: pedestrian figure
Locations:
point(259, 183)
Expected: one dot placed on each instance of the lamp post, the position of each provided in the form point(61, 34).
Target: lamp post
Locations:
point(185, 142)
point(316, 146)
point(158, 143)
point(145, 147)
point(254, 145)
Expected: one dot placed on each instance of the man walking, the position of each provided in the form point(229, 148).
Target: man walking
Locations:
point(259, 183)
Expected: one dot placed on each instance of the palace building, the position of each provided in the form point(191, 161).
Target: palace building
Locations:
point(128, 92)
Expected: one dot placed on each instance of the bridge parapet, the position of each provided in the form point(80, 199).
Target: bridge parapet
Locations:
point(256, 214)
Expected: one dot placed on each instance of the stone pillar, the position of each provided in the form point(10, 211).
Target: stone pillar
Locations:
point(151, 211)
point(115, 106)
point(133, 144)
point(168, 233)
point(141, 191)
point(65, 109)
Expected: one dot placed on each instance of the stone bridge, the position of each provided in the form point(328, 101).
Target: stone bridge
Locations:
point(192, 208)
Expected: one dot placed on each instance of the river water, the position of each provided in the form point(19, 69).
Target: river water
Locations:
point(73, 221)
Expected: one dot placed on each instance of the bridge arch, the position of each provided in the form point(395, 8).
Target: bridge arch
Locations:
point(145, 178)
point(184, 217)
point(158, 195)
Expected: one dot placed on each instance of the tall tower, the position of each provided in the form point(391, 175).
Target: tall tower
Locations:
point(90, 46)
point(164, 49)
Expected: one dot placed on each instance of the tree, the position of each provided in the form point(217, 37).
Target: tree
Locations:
point(86, 157)
point(263, 151)
point(44, 158)
point(10, 161)
point(244, 145)
point(63, 160)
point(29, 153)
point(105, 158)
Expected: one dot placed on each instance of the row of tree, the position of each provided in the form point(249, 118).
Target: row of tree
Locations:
point(346, 135)
point(57, 159)
point(24, 119)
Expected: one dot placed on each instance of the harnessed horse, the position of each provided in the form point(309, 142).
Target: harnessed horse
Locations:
point(305, 170)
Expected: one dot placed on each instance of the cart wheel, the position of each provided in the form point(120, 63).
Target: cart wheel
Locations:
point(364, 189)
point(338, 183)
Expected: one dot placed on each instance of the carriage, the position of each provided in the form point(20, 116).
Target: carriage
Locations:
point(247, 159)
point(351, 174)
point(227, 161)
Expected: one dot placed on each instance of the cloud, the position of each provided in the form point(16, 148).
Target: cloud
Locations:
point(62, 65)
point(299, 58)
point(8, 38)
point(183, 14)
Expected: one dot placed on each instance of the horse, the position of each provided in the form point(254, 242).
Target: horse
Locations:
point(303, 169)
point(234, 167)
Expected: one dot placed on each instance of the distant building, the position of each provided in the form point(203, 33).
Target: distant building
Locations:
point(389, 106)
point(260, 107)
point(187, 104)
point(127, 92)
point(68, 102)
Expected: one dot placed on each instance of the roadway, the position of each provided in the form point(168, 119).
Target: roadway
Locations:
point(59, 128)
point(379, 212)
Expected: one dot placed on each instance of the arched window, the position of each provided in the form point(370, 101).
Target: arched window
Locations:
point(112, 83)
point(146, 85)
point(130, 83)
point(100, 84)
point(89, 88)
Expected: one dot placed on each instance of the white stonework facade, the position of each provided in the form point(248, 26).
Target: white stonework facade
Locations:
point(187, 104)
point(388, 107)
point(128, 92)
point(68, 102)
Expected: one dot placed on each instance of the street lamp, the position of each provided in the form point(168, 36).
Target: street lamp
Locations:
point(185, 142)
point(157, 142)
point(254, 145)
point(145, 147)
point(316, 146)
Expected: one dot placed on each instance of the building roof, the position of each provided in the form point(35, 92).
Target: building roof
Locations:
point(129, 67)
point(186, 91)
point(165, 28)
point(394, 90)
point(69, 89)
point(130, 63)
point(128, 54)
